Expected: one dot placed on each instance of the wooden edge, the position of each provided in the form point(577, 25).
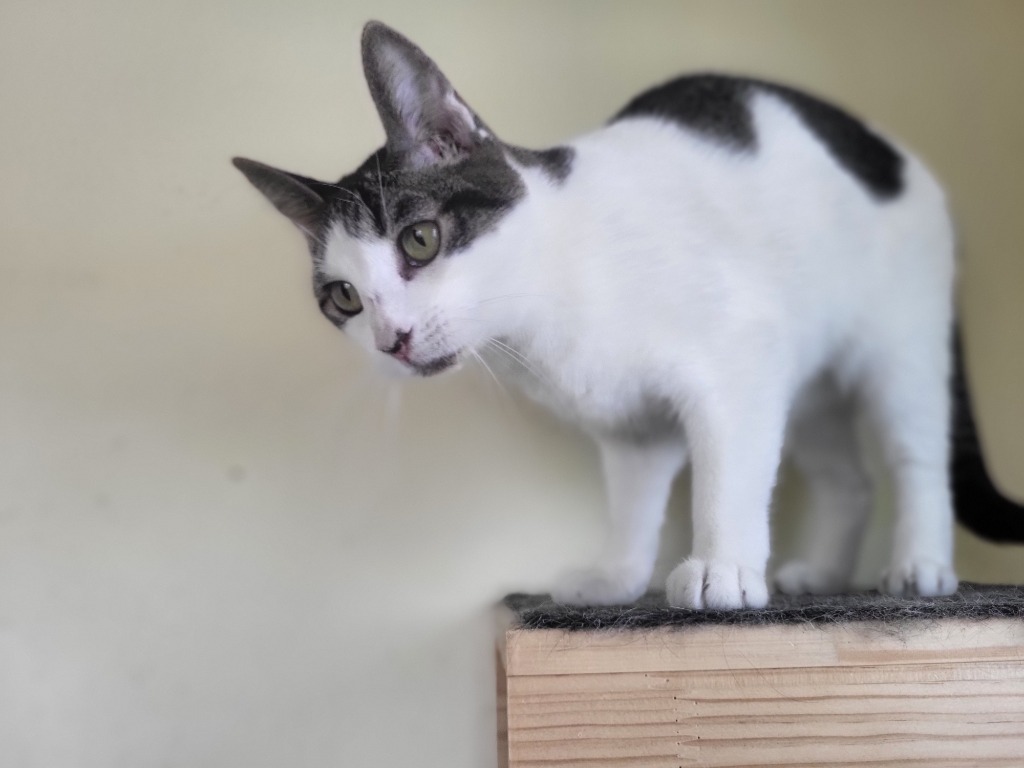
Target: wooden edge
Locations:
point(501, 710)
point(505, 621)
point(711, 647)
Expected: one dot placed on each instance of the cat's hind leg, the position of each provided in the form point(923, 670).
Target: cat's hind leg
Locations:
point(908, 391)
point(638, 480)
point(823, 446)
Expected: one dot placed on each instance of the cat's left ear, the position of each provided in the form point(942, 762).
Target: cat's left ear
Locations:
point(295, 196)
point(425, 120)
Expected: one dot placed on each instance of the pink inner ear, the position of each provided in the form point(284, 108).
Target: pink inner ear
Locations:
point(436, 122)
point(405, 92)
point(447, 132)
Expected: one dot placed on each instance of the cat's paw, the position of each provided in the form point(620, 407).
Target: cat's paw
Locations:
point(716, 585)
point(923, 578)
point(599, 586)
point(798, 577)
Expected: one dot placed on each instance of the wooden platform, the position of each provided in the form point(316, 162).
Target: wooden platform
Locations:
point(859, 681)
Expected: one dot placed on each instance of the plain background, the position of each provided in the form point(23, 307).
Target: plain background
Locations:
point(222, 542)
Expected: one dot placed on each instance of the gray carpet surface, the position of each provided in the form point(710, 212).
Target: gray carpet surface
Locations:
point(971, 601)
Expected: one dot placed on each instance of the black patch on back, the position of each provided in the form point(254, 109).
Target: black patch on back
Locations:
point(714, 106)
point(718, 108)
point(556, 162)
point(871, 159)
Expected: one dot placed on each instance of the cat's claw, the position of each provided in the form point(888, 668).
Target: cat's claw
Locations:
point(921, 578)
point(599, 586)
point(798, 577)
point(716, 585)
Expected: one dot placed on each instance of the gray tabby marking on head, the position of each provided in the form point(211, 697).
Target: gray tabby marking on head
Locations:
point(469, 196)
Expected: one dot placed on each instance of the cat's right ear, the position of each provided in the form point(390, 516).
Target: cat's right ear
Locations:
point(426, 121)
point(292, 195)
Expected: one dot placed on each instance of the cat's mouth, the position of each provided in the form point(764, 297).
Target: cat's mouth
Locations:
point(434, 366)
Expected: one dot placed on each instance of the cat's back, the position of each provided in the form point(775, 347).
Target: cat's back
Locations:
point(737, 186)
point(716, 164)
point(721, 212)
point(728, 112)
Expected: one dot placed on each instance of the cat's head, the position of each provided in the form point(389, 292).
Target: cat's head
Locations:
point(412, 251)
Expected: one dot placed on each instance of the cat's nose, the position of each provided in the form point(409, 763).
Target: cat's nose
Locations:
point(400, 348)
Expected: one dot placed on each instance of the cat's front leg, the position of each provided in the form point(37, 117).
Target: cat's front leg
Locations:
point(638, 478)
point(735, 439)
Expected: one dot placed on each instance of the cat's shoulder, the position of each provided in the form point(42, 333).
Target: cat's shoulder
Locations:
point(719, 108)
point(715, 106)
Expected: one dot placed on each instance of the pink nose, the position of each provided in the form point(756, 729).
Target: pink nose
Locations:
point(400, 348)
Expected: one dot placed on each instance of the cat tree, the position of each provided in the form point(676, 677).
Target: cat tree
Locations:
point(863, 680)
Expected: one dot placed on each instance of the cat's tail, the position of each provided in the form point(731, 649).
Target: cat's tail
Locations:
point(980, 506)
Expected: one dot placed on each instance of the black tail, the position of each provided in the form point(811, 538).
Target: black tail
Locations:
point(979, 504)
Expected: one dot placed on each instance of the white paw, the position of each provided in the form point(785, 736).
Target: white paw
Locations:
point(716, 584)
point(599, 586)
point(924, 578)
point(798, 577)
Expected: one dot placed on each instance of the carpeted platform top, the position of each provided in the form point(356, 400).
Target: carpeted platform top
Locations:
point(972, 601)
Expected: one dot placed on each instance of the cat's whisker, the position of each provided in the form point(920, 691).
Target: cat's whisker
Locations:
point(508, 296)
point(489, 370)
point(509, 349)
point(517, 357)
point(353, 197)
point(383, 203)
point(533, 302)
point(321, 240)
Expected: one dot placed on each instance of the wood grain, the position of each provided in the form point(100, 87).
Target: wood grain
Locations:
point(501, 711)
point(550, 651)
point(944, 693)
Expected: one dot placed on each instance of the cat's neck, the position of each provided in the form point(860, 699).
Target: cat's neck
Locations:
point(535, 277)
point(540, 296)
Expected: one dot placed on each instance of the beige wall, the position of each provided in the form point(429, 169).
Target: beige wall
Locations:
point(219, 546)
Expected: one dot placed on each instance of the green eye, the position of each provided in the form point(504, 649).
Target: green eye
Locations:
point(345, 298)
point(420, 242)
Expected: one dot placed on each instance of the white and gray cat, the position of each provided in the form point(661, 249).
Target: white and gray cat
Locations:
point(727, 272)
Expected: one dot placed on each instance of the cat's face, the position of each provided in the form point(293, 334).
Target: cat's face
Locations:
point(408, 258)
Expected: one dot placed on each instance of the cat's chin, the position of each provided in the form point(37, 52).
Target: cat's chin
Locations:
point(435, 366)
point(397, 369)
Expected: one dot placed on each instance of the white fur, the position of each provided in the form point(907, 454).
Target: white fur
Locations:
point(745, 296)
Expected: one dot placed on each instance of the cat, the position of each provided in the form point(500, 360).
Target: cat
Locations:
point(727, 272)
